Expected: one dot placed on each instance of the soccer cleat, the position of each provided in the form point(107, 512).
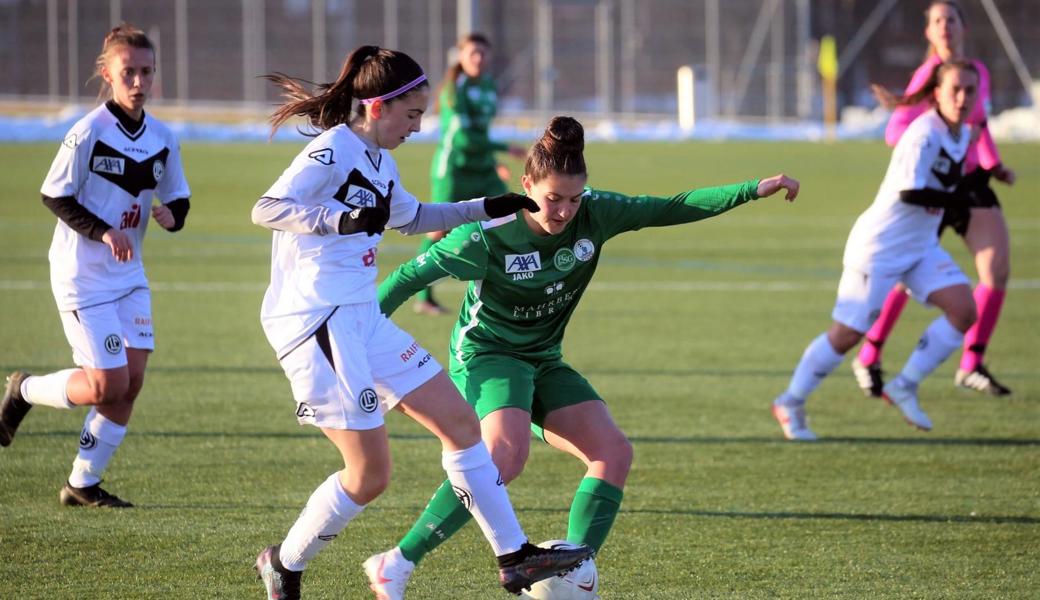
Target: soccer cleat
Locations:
point(532, 563)
point(868, 377)
point(388, 574)
point(903, 396)
point(429, 308)
point(91, 495)
point(793, 421)
point(980, 380)
point(280, 583)
point(13, 407)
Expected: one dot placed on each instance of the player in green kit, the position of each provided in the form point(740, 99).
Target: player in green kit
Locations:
point(527, 273)
point(464, 164)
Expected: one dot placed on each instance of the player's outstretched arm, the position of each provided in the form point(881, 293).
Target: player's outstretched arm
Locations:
point(408, 280)
point(771, 185)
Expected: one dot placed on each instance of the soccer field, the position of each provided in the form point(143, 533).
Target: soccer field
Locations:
point(689, 332)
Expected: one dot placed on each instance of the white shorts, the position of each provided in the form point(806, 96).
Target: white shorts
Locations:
point(354, 368)
point(862, 294)
point(100, 334)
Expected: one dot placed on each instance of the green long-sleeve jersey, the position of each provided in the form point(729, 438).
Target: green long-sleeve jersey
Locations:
point(466, 112)
point(524, 287)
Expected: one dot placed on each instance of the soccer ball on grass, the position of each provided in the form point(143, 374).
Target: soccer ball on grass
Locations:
point(580, 584)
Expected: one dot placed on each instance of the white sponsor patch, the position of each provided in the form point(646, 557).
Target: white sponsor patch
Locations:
point(108, 164)
point(523, 263)
point(584, 249)
point(360, 197)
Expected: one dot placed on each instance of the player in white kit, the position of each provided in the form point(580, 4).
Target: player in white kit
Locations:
point(896, 240)
point(100, 186)
point(346, 362)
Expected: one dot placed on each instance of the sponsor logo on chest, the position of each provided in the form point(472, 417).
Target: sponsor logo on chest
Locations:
point(109, 164)
point(522, 266)
point(360, 197)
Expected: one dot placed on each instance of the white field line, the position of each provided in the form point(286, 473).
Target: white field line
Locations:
point(604, 286)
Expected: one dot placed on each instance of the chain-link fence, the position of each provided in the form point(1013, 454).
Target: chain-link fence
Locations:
point(752, 59)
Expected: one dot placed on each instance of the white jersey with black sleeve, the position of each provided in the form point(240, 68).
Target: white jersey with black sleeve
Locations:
point(112, 166)
point(893, 235)
point(313, 268)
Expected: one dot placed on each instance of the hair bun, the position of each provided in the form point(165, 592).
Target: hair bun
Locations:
point(564, 134)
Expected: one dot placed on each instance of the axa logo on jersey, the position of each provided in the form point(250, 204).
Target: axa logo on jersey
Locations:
point(360, 197)
point(108, 164)
point(523, 263)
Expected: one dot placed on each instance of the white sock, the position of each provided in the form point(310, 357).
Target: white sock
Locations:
point(937, 344)
point(478, 486)
point(328, 511)
point(97, 443)
point(817, 362)
point(48, 390)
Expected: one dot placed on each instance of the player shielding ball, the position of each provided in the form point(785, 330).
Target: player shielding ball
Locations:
point(895, 241)
point(346, 362)
point(527, 274)
point(979, 221)
point(100, 186)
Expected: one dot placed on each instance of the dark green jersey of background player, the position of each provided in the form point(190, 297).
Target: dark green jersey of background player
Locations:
point(524, 287)
point(466, 112)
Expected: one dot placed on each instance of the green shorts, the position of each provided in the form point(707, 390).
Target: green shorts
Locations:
point(463, 186)
point(490, 382)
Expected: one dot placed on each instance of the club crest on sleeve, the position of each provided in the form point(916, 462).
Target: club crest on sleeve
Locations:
point(323, 156)
point(158, 170)
point(584, 249)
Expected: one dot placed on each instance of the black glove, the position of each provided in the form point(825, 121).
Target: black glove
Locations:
point(368, 219)
point(507, 204)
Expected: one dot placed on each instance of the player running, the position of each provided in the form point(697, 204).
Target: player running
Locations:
point(979, 222)
point(463, 164)
point(100, 186)
point(895, 240)
point(346, 362)
point(527, 273)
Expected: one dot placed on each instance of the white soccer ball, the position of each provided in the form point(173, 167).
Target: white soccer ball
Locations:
point(580, 584)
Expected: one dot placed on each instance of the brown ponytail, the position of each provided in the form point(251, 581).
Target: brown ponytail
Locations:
point(368, 72)
point(560, 150)
point(125, 35)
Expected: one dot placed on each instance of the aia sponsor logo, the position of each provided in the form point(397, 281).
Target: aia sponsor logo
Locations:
point(359, 197)
point(523, 263)
point(109, 164)
point(131, 218)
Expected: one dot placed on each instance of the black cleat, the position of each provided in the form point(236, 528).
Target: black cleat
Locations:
point(13, 407)
point(280, 583)
point(92, 495)
point(518, 570)
point(868, 377)
point(980, 380)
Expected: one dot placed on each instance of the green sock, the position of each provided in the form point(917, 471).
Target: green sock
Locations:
point(593, 510)
point(443, 516)
point(426, 295)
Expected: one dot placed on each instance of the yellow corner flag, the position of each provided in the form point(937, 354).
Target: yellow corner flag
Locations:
point(828, 61)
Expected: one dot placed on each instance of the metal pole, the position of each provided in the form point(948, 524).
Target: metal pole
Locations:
point(247, 50)
point(1009, 47)
point(870, 25)
point(754, 47)
point(629, 47)
point(115, 12)
point(181, 33)
point(467, 18)
point(804, 68)
point(390, 9)
point(52, 49)
point(713, 54)
point(73, 51)
point(543, 56)
point(605, 55)
point(776, 65)
point(319, 42)
point(436, 35)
